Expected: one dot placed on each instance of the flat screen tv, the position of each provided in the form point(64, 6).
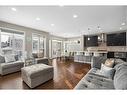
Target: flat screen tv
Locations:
point(116, 39)
point(91, 41)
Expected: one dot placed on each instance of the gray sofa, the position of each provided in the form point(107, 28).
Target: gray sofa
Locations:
point(92, 80)
point(6, 68)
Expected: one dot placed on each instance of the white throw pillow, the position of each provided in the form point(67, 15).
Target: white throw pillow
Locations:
point(107, 71)
point(9, 58)
point(110, 62)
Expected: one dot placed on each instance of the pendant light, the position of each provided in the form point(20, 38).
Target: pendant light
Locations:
point(88, 35)
point(99, 38)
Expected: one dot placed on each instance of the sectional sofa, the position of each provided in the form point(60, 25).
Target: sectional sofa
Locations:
point(93, 80)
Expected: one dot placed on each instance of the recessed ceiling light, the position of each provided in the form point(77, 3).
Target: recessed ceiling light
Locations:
point(13, 9)
point(120, 28)
point(75, 16)
point(38, 19)
point(52, 24)
point(123, 23)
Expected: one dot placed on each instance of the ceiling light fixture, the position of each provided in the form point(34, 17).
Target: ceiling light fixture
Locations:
point(52, 24)
point(75, 16)
point(88, 38)
point(88, 35)
point(38, 19)
point(13, 9)
point(120, 28)
point(99, 38)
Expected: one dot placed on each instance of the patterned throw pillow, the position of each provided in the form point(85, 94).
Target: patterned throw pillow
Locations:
point(107, 71)
point(9, 58)
point(110, 62)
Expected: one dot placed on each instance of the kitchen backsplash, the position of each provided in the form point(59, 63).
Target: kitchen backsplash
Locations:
point(108, 48)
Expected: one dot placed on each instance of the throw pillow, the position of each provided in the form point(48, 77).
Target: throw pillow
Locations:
point(2, 59)
point(97, 61)
point(9, 58)
point(110, 62)
point(107, 71)
point(40, 55)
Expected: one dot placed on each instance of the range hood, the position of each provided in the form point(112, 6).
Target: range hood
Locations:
point(102, 38)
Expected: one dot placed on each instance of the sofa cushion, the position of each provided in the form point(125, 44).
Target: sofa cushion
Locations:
point(94, 81)
point(11, 64)
point(2, 59)
point(110, 62)
point(36, 70)
point(118, 61)
point(97, 61)
point(9, 58)
point(120, 77)
point(107, 71)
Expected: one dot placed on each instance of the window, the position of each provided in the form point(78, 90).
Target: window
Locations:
point(6, 40)
point(11, 42)
point(38, 44)
point(35, 44)
point(72, 45)
point(56, 48)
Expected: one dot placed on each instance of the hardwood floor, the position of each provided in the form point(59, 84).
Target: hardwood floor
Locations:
point(66, 75)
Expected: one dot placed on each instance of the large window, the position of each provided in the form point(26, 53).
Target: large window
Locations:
point(72, 45)
point(56, 48)
point(38, 43)
point(11, 42)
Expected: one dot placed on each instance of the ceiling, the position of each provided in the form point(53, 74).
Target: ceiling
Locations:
point(59, 20)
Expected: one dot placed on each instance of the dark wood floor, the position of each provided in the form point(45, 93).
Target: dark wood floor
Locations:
point(66, 75)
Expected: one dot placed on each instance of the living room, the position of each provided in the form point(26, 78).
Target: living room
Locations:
point(63, 47)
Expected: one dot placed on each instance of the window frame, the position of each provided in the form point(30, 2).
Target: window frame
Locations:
point(15, 31)
point(44, 42)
